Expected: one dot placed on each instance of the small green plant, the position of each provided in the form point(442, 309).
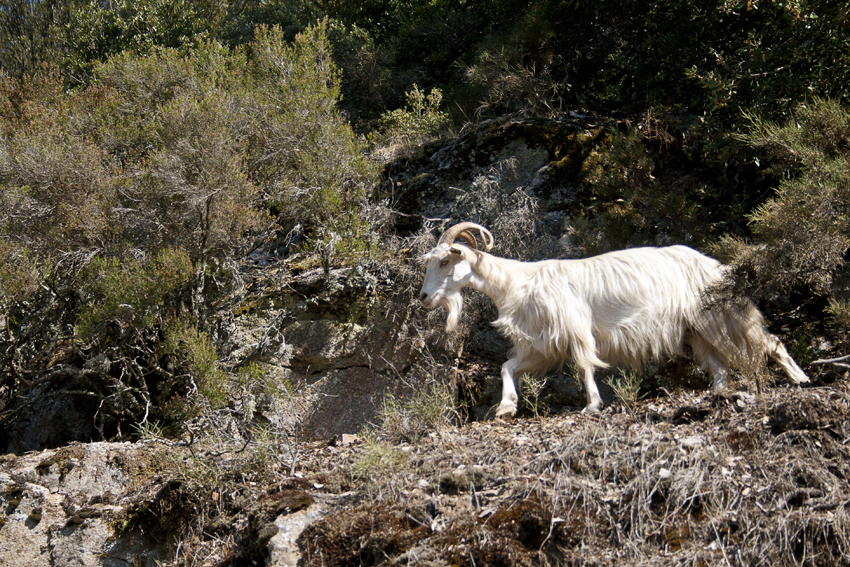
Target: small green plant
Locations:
point(432, 409)
point(253, 378)
point(195, 351)
point(379, 459)
point(533, 386)
point(435, 408)
point(838, 312)
point(626, 387)
point(150, 430)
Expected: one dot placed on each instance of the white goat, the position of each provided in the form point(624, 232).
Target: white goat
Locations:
point(620, 309)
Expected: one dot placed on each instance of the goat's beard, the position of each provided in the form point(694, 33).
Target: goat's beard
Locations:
point(454, 305)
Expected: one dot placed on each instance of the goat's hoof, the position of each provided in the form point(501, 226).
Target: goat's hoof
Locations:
point(506, 412)
point(592, 409)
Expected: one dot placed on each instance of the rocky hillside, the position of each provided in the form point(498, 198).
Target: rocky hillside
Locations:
point(692, 478)
point(354, 431)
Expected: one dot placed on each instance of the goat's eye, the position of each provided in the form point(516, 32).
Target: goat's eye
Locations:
point(443, 262)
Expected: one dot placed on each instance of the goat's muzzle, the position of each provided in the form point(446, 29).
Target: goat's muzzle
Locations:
point(425, 299)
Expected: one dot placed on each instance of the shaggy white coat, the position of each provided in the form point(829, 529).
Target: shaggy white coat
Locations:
point(621, 309)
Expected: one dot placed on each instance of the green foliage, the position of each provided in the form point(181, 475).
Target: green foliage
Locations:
point(19, 274)
point(800, 347)
point(626, 388)
point(715, 58)
point(514, 72)
point(130, 190)
point(175, 151)
point(838, 312)
point(420, 120)
point(430, 410)
point(532, 387)
point(254, 379)
point(291, 16)
point(31, 34)
point(131, 292)
point(803, 231)
point(379, 460)
point(182, 136)
point(196, 354)
point(76, 35)
point(53, 189)
point(312, 171)
point(629, 205)
point(368, 84)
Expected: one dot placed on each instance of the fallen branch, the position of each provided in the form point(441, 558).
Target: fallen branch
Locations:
point(838, 361)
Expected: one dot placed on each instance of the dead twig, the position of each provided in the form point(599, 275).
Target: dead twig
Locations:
point(837, 361)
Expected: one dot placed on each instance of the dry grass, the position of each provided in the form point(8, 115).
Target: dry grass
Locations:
point(687, 480)
point(708, 480)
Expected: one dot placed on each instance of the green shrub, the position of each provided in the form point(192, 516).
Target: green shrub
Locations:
point(626, 387)
point(195, 352)
point(379, 460)
point(629, 206)
point(312, 171)
point(20, 273)
point(802, 233)
point(205, 139)
point(838, 311)
point(131, 292)
point(532, 387)
point(138, 26)
point(509, 82)
point(429, 410)
point(54, 193)
point(420, 120)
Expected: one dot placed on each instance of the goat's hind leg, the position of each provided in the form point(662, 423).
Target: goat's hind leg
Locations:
point(710, 361)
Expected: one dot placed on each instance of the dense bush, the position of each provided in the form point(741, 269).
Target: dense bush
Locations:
point(124, 197)
point(802, 233)
point(130, 292)
point(713, 58)
point(418, 122)
point(304, 157)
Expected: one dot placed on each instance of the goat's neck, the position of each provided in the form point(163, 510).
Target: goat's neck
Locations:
point(493, 277)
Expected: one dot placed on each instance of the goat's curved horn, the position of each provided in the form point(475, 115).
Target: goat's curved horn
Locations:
point(463, 231)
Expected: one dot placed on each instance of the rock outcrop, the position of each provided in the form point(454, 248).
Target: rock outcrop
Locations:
point(65, 507)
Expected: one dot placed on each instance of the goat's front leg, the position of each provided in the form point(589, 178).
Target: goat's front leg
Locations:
point(509, 398)
point(594, 400)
